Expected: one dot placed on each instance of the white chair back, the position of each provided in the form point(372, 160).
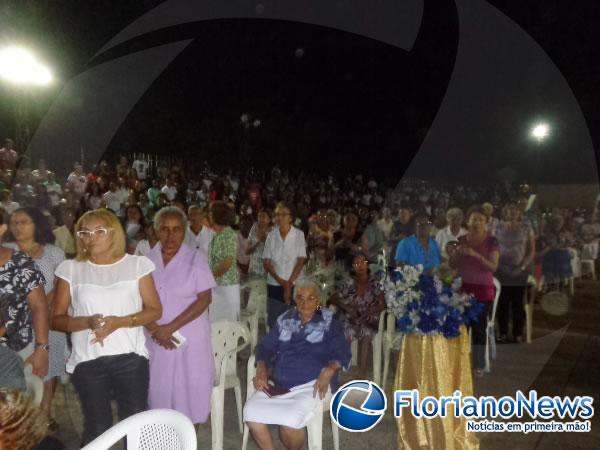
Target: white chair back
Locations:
point(490, 332)
point(225, 338)
point(163, 429)
point(257, 300)
point(498, 287)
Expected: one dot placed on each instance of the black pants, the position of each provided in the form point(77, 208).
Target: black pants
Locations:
point(124, 377)
point(478, 336)
point(275, 304)
point(512, 300)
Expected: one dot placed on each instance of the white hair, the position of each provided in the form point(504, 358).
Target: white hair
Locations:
point(310, 283)
point(454, 212)
point(170, 211)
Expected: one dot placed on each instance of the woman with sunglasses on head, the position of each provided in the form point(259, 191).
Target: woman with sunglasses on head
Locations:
point(104, 298)
point(31, 234)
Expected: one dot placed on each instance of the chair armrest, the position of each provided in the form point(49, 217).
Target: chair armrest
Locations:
point(250, 374)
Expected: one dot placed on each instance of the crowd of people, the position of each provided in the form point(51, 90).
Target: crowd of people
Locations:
point(136, 259)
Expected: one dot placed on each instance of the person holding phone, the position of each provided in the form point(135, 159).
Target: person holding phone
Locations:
point(181, 357)
point(476, 259)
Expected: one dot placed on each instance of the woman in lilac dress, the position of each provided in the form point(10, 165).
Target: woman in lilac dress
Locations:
point(181, 373)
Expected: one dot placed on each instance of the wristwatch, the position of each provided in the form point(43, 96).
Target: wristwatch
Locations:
point(42, 346)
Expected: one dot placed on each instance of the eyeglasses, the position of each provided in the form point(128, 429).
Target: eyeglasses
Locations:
point(361, 263)
point(300, 299)
point(98, 232)
point(18, 223)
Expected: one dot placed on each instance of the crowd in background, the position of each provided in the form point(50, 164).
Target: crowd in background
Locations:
point(275, 224)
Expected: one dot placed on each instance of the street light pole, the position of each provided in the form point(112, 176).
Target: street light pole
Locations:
point(540, 133)
point(20, 68)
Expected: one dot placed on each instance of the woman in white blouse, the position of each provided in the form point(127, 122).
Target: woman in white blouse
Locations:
point(284, 257)
point(104, 298)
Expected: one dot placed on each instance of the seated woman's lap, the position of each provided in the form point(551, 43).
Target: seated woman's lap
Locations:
point(293, 410)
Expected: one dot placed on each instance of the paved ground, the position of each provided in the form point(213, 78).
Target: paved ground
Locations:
point(563, 359)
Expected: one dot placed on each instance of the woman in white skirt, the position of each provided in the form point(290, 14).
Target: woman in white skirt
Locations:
point(222, 259)
point(298, 360)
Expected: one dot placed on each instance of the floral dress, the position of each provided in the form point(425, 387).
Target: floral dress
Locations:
point(18, 277)
point(224, 244)
point(368, 324)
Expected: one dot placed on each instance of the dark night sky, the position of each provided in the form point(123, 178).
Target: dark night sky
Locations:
point(340, 104)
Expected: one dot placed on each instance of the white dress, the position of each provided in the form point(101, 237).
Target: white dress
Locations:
point(107, 289)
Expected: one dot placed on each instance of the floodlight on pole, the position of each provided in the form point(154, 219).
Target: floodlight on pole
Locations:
point(19, 66)
point(540, 131)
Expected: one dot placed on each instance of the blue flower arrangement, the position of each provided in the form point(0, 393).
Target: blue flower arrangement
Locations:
point(426, 305)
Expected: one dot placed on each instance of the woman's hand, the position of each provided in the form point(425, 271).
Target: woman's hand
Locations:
point(39, 362)
point(261, 379)
point(163, 336)
point(322, 383)
point(95, 322)
point(109, 324)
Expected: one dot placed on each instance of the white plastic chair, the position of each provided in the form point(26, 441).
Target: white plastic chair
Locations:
point(490, 332)
point(225, 338)
point(256, 309)
point(588, 266)
point(163, 429)
point(34, 385)
point(327, 278)
point(314, 428)
point(376, 344)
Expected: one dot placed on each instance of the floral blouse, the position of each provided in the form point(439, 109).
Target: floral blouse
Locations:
point(224, 244)
point(348, 294)
point(18, 277)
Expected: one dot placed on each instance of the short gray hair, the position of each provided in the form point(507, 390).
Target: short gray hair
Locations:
point(309, 283)
point(170, 211)
point(454, 212)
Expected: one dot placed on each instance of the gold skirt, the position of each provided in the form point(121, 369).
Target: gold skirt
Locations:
point(438, 367)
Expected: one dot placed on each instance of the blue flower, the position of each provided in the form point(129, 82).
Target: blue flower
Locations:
point(404, 324)
point(396, 276)
point(429, 300)
point(451, 326)
point(473, 312)
point(427, 324)
point(412, 306)
point(439, 311)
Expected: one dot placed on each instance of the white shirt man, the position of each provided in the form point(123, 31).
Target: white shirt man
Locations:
point(452, 232)
point(284, 254)
point(113, 201)
point(170, 191)
point(199, 241)
point(77, 182)
point(141, 168)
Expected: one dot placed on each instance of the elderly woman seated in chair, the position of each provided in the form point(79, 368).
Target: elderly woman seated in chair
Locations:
point(296, 367)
